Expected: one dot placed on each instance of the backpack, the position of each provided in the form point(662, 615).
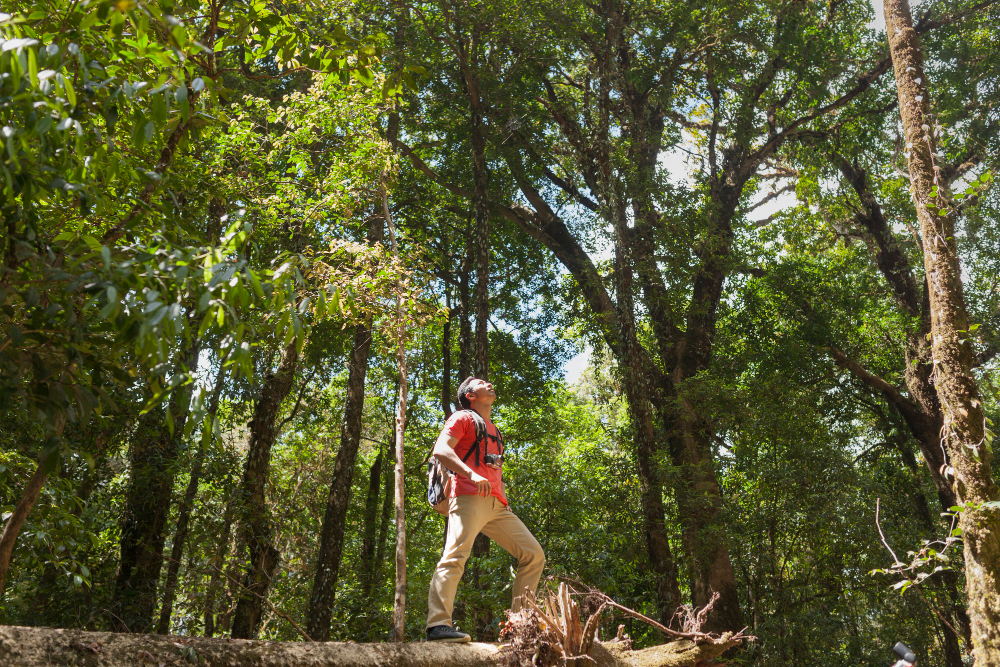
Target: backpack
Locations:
point(439, 477)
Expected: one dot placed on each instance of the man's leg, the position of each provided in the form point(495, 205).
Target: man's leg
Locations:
point(510, 533)
point(466, 517)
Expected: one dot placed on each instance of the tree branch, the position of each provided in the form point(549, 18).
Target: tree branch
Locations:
point(874, 381)
point(926, 24)
point(889, 256)
point(571, 190)
point(771, 197)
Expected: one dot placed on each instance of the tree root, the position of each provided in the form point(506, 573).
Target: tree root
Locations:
point(549, 633)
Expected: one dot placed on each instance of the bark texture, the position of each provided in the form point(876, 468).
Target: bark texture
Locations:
point(254, 517)
point(331, 543)
point(963, 430)
point(44, 647)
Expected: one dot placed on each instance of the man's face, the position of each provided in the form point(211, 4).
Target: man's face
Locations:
point(483, 390)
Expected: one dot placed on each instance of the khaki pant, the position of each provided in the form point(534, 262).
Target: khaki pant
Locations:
point(467, 517)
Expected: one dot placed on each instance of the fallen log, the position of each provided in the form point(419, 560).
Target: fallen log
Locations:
point(42, 647)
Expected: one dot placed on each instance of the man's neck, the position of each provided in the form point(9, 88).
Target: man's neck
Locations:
point(483, 409)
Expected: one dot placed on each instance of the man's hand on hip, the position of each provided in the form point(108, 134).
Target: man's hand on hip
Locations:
point(483, 486)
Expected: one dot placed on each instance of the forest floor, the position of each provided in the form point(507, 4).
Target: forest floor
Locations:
point(37, 647)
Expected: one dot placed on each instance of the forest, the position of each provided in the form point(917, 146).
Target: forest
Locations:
point(731, 266)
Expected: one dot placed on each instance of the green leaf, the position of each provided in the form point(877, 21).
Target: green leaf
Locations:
point(170, 420)
point(70, 93)
point(364, 75)
point(158, 108)
point(15, 334)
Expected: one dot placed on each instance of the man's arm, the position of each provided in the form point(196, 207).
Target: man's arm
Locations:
point(444, 451)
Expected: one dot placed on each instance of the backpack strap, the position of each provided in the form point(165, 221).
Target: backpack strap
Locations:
point(480, 435)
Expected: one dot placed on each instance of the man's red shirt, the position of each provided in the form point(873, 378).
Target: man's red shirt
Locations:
point(462, 425)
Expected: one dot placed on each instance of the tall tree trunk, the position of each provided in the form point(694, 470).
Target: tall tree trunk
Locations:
point(399, 601)
point(465, 344)
point(370, 534)
point(16, 519)
point(184, 511)
point(638, 387)
point(446, 397)
point(699, 497)
point(964, 425)
point(647, 132)
point(254, 517)
point(331, 544)
point(392, 133)
point(388, 500)
point(152, 459)
point(470, 51)
point(482, 245)
point(637, 380)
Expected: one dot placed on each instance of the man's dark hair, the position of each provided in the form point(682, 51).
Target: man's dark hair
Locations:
point(463, 390)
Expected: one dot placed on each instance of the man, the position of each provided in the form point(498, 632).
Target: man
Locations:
point(477, 504)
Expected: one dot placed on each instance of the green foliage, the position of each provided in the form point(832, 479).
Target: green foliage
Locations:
point(90, 96)
point(191, 173)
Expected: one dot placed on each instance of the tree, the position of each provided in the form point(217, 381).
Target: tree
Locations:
point(335, 518)
point(92, 173)
point(964, 431)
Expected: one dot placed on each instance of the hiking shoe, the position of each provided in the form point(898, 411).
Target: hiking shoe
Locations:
point(446, 633)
